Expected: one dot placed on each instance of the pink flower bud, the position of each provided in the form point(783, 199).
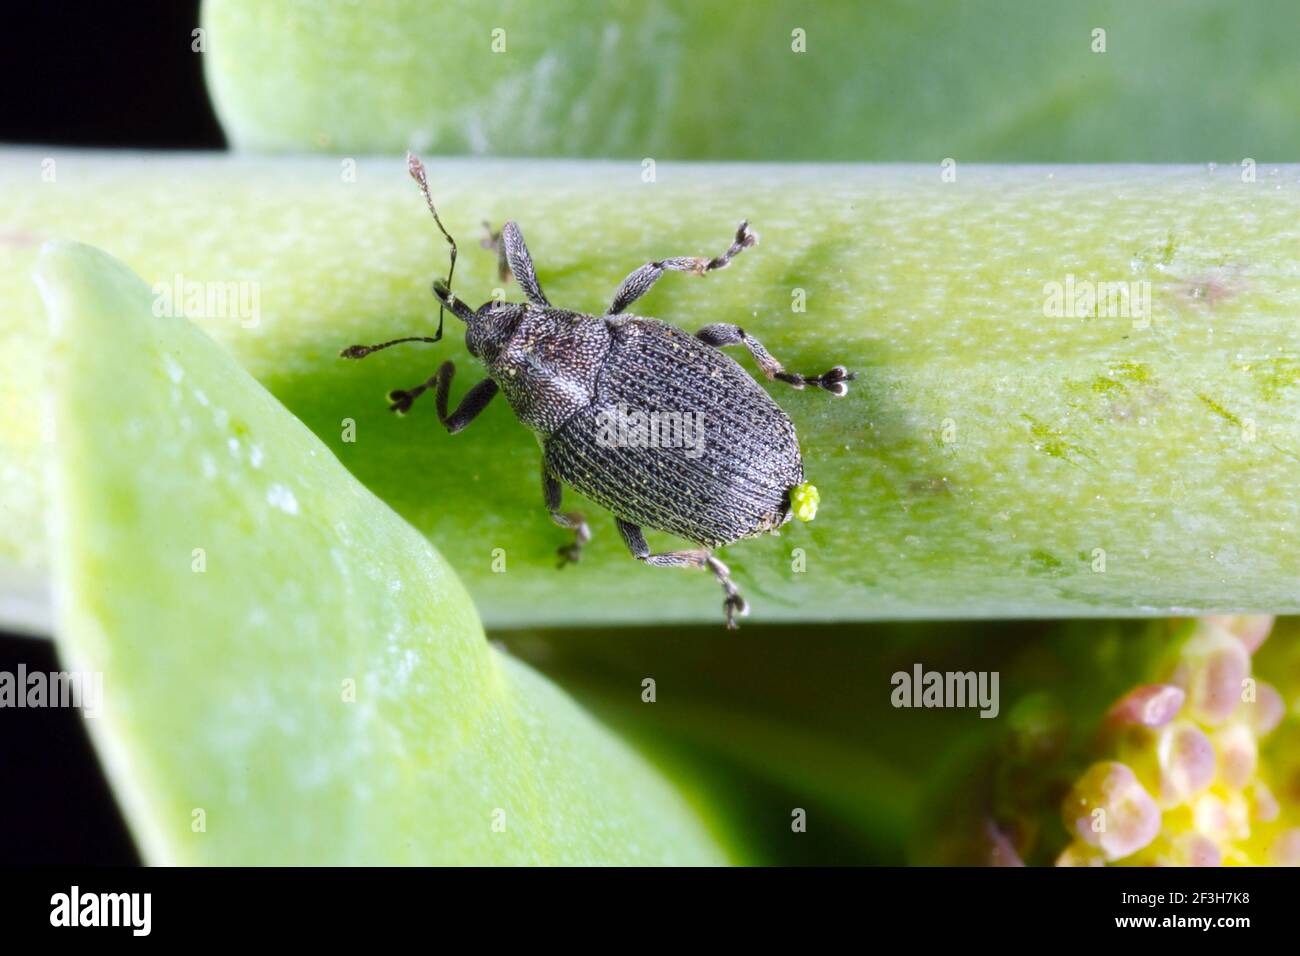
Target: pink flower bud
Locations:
point(1250, 629)
point(1186, 849)
point(1222, 820)
point(1187, 761)
point(1285, 850)
point(1264, 806)
point(1213, 667)
point(1198, 850)
point(1266, 711)
point(1079, 853)
point(1151, 705)
point(1238, 755)
point(1109, 809)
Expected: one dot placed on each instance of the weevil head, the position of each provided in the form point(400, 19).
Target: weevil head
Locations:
point(491, 328)
point(488, 327)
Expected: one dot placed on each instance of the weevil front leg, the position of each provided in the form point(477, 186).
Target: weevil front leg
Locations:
point(834, 381)
point(475, 400)
point(733, 604)
point(573, 520)
point(639, 282)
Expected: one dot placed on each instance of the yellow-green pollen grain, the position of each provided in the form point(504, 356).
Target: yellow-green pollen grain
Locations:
point(804, 499)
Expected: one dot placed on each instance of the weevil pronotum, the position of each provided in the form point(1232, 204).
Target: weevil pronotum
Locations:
point(565, 374)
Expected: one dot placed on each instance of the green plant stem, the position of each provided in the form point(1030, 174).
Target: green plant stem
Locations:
point(993, 458)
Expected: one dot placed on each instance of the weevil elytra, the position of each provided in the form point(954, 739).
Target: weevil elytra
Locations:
point(566, 375)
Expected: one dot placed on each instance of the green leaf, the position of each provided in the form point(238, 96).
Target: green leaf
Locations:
point(284, 660)
point(994, 458)
point(995, 81)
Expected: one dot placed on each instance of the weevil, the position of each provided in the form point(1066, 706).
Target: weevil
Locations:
point(568, 375)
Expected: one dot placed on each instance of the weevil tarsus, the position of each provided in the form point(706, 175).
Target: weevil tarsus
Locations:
point(640, 280)
point(733, 605)
point(575, 521)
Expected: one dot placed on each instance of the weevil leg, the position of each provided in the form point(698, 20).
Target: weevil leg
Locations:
point(733, 604)
point(475, 400)
point(492, 241)
point(573, 520)
point(834, 381)
point(639, 282)
point(514, 259)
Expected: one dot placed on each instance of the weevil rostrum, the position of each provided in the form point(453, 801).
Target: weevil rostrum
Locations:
point(565, 374)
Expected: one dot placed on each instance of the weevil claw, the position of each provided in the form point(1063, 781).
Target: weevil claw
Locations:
point(400, 401)
point(569, 554)
point(735, 606)
point(836, 380)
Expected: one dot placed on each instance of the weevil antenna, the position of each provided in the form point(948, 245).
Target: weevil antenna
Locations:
point(416, 169)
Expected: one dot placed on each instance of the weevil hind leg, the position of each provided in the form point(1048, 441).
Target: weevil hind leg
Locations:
point(733, 605)
point(638, 282)
point(572, 520)
point(835, 380)
point(492, 240)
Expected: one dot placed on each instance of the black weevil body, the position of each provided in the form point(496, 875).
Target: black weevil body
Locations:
point(657, 425)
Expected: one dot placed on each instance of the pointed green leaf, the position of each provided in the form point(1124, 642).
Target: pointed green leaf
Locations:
point(290, 672)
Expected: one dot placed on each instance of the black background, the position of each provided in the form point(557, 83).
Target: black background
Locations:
point(113, 75)
point(80, 73)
